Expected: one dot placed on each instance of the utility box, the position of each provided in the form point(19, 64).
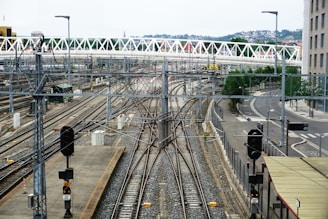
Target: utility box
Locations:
point(61, 89)
point(16, 120)
point(98, 138)
point(78, 91)
point(30, 201)
point(120, 122)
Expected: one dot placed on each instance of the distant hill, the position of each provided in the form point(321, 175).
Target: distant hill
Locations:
point(258, 36)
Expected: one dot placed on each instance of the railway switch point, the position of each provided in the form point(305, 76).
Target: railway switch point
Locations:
point(147, 204)
point(213, 204)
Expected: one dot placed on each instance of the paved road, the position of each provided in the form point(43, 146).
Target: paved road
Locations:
point(304, 143)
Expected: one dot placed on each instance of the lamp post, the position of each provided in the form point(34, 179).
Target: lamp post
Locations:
point(242, 90)
point(276, 35)
point(69, 50)
point(268, 118)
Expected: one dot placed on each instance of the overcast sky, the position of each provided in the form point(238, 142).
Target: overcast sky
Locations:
point(107, 18)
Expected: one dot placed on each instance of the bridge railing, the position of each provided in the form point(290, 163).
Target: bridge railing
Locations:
point(214, 50)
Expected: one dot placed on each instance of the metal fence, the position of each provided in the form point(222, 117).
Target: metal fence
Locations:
point(240, 169)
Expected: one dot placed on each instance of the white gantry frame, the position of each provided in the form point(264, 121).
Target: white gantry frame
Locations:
point(217, 51)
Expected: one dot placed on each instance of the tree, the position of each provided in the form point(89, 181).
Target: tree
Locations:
point(239, 39)
point(293, 81)
point(304, 88)
point(234, 85)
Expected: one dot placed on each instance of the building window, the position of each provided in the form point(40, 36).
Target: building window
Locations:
point(316, 5)
point(311, 6)
point(323, 20)
point(315, 61)
point(311, 42)
point(311, 24)
point(310, 61)
point(316, 22)
point(326, 63)
point(321, 60)
point(322, 40)
point(323, 3)
point(316, 41)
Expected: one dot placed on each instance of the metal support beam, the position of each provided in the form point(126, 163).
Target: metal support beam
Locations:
point(11, 98)
point(164, 120)
point(165, 88)
point(39, 178)
point(109, 98)
point(200, 100)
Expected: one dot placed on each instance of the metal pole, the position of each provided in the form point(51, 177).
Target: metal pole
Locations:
point(165, 106)
point(276, 48)
point(69, 53)
point(320, 145)
point(325, 93)
point(108, 105)
point(68, 45)
point(311, 101)
point(11, 98)
point(276, 38)
point(165, 89)
point(39, 179)
point(283, 88)
point(268, 200)
point(287, 137)
point(200, 100)
point(268, 127)
point(276, 41)
point(67, 161)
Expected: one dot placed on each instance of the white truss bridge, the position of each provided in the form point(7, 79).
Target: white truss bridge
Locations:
point(197, 50)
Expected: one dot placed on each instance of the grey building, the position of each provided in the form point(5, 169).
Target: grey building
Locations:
point(315, 50)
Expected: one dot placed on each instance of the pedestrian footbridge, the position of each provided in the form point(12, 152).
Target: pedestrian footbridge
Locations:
point(219, 52)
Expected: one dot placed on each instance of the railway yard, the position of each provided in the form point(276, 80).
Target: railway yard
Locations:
point(176, 177)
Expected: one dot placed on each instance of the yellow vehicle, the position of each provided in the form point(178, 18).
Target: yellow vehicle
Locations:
point(6, 31)
point(214, 67)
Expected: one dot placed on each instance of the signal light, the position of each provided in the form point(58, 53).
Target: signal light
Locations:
point(66, 188)
point(254, 193)
point(298, 126)
point(67, 140)
point(254, 142)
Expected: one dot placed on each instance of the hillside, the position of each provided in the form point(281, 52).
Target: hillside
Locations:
point(258, 36)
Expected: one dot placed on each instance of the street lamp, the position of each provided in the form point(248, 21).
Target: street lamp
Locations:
point(69, 50)
point(268, 118)
point(242, 90)
point(276, 35)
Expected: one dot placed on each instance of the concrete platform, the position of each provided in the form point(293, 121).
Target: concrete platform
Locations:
point(93, 166)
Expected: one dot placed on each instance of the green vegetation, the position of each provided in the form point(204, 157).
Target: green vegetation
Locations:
point(241, 82)
point(234, 85)
point(258, 36)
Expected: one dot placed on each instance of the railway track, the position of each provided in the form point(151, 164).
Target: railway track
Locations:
point(168, 179)
point(146, 156)
point(21, 154)
point(17, 147)
point(142, 159)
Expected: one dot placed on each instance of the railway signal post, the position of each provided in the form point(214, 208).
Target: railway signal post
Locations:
point(67, 149)
point(254, 148)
